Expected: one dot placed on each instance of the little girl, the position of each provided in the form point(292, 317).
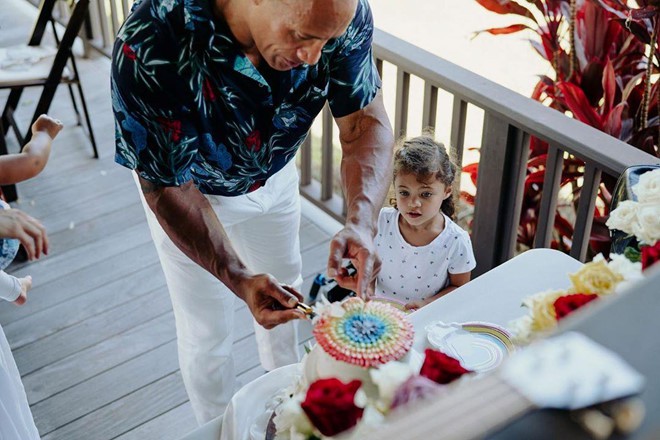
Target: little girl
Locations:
point(16, 420)
point(424, 254)
point(15, 168)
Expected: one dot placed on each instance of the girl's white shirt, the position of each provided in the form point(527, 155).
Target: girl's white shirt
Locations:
point(410, 273)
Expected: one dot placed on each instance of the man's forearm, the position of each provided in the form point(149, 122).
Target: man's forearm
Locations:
point(366, 166)
point(189, 220)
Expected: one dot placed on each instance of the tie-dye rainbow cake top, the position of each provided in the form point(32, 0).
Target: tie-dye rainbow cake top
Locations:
point(361, 333)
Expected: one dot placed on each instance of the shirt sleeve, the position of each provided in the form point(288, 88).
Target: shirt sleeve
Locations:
point(152, 104)
point(354, 80)
point(10, 287)
point(462, 257)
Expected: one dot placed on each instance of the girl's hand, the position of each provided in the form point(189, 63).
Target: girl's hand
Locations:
point(48, 125)
point(26, 284)
point(414, 305)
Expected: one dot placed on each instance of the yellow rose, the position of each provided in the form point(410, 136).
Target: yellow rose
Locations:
point(595, 277)
point(542, 309)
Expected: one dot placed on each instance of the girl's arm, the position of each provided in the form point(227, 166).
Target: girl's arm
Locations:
point(455, 280)
point(32, 159)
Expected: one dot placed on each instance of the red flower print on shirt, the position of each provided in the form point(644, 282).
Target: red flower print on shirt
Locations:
point(253, 141)
point(256, 185)
point(207, 90)
point(128, 52)
point(171, 126)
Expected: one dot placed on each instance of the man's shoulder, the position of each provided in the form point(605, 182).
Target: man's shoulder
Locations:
point(167, 19)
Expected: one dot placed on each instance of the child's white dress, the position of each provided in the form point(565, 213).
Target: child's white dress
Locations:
point(16, 421)
point(410, 273)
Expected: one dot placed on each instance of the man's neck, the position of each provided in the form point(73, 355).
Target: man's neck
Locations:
point(234, 13)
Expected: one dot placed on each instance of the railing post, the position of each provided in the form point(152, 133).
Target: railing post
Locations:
point(306, 160)
point(430, 108)
point(401, 103)
point(457, 135)
point(548, 209)
point(502, 167)
point(585, 211)
point(326, 155)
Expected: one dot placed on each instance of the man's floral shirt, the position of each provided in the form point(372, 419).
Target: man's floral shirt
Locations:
point(189, 105)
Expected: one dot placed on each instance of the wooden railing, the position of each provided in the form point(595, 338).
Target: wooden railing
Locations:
point(509, 121)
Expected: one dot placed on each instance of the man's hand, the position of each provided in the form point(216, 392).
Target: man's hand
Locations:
point(357, 244)
point(26, 284)
point(28, 230)
point(271, 303)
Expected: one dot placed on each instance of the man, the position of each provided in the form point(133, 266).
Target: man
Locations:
point(211, 101)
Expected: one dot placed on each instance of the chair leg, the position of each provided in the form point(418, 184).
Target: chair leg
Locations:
point(12, 103)
point(75, 104)
point(88, 120)
point(9, 191)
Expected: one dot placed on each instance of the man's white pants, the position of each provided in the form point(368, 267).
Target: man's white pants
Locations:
point(263, 228)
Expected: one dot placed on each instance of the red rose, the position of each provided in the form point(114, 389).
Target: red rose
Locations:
point(253, 141)
point(650, 255)
point(565, 305)
point(330, 405)
point(129, 52)
point(441, 368)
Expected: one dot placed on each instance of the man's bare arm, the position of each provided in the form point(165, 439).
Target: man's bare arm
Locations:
point(366, 168)
point(189, 220)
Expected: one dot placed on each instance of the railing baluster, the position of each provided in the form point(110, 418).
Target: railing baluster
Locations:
point(430, 109)
point(548, 209)
point(504, 152)
point(457, 136)
point(585, 211)
point(306, 160)
point(103, 20)
point(125, 11)
point(401, 104)
point(114, 19)
point(326, 155)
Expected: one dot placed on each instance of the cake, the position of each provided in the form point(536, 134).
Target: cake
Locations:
point(356, 341)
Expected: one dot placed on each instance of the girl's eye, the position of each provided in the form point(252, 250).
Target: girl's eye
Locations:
point(426, 195)
point(403, 193)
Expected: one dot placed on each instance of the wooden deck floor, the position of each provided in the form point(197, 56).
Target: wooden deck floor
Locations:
point(95, 343)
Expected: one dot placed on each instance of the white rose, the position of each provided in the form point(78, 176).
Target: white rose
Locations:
point(623, 217)
point(647, 189)
point(290, 419)
point(647, 227)
point(389, 377)
point(624, 267)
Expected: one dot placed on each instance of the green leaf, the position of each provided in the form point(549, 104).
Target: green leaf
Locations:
point(632, 254)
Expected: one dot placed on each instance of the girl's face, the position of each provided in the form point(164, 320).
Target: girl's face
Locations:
point(419, 202)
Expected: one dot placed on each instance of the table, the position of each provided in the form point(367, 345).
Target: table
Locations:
point(494, 297)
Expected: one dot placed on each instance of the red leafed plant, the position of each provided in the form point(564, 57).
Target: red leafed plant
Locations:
point(603, 53)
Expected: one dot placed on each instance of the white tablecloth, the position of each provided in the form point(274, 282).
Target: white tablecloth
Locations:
point(494, 297)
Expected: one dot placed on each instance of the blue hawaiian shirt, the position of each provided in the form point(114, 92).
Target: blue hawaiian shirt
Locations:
point(189, 105)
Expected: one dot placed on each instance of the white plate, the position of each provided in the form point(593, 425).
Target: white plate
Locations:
point(479, 346)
